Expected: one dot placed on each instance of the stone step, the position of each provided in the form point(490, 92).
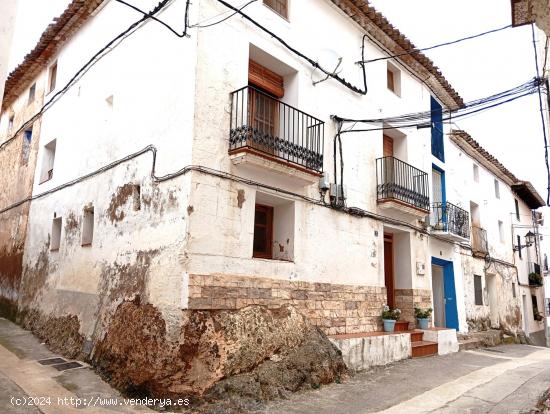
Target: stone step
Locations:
point(423, 348)
point(471, 343)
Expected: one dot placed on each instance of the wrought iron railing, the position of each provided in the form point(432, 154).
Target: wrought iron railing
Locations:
point(397, 180)
point(450, 218)
point(479, 241)
point(263, 123)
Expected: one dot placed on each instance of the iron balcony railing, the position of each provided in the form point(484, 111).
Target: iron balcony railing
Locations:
point(479, 241)
point(447, 217)
point(397, 180)
point(263, 123)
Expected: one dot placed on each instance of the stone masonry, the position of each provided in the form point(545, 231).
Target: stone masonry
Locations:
point(408, 299)
point(335, 308)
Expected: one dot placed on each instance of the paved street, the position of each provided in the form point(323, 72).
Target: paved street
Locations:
point(504, 379)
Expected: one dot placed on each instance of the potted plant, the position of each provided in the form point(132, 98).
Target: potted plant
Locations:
point(537, 316)
point(535, 279)
point(389, 316)
point(423, 317)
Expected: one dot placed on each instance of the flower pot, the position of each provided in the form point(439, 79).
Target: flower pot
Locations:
point(423, 323)
point(389, 325)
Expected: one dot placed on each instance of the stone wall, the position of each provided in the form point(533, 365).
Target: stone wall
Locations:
point(335, 308)
point(408, 299)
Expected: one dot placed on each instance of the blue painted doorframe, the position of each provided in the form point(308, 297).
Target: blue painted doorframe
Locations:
point(451, 311)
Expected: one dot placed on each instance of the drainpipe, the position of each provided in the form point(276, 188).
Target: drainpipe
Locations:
point(538, 256)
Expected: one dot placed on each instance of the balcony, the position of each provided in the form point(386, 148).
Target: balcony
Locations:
point(271, 134)
point(450, 221)
point(402, 187)
point(480, 247)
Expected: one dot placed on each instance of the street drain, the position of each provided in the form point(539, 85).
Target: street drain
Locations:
point(67, 365)
point(52, 361)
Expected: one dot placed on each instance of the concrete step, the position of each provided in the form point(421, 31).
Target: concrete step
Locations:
point(423, 348)
point(416, 336)
point(471, 343)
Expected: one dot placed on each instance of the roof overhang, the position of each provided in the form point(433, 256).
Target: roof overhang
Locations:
point(526, 191)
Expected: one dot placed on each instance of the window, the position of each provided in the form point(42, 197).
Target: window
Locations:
point(263, 231)
point(26, 146)
point(519, 245)
point(136, 197)
point(273, 228)
point(437, 129)
point(10, 123)
point(32, 93)
point(536, 313)
point(278, 6)
point(52, 77)
point(88, 226)
point(56, 234)
point(476, 173)
point(514, 290)
point(48, 159)
point(501, 231)
point(517, 209)
point(497, 189)
point(478, 290)
point(394, 79)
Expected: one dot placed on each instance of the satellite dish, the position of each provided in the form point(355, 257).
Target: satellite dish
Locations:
point(330, 61)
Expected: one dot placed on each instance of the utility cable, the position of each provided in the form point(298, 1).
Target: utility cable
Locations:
point(418, 50)
point(199, 26)
point(91, 62)
point(542, 118)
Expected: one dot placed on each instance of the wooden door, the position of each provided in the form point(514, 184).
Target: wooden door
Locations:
point(388, 269)
point(263, 232)
point(388, 146)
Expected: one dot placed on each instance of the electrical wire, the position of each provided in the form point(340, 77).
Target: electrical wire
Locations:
point(199, 26)
point(418, 50)
point(183, 34)
point(87, 66)
point(542, 118)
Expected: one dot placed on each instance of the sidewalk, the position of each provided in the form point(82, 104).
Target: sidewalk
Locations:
point(504, 379)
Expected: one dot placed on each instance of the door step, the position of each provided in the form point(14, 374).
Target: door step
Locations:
point(423, 348)
point(416, 336)
point(401, 326)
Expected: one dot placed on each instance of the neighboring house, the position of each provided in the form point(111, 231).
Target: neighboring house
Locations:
point(199, 171)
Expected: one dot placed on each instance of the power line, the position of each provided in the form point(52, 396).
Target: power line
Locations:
point(416, 50)
point(183, 34)
point(198, 25)
point(87, 66)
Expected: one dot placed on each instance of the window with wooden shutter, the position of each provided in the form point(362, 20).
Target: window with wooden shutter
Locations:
point(265, 79)
point(478, 290)
point(388, 146)
point(263, 232)
point(278, 6)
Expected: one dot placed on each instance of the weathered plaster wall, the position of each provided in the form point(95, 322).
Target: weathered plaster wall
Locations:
point(17, 163)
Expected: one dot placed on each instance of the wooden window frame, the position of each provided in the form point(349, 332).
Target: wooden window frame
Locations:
point(267, 253)
point(272, 5)
point(52, 77)
point(480, 291)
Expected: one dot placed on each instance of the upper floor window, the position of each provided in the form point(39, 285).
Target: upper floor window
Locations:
point(48, 161)
point(476, 173)
point(501, 231)
point(394, 79)
point(278, 6)
point(52, 77)
point(437, 129)
point(32, 93)
point(497, 189)
point(10, 123)
point(517, 209)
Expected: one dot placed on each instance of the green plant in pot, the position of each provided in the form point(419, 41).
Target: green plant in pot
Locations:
point(389, 317)
point(423, 317)
point(535, 279)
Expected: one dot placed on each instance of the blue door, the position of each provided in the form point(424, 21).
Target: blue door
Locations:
point(451, 312)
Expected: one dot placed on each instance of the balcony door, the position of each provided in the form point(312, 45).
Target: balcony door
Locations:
point(438, 217)
point(263, 106)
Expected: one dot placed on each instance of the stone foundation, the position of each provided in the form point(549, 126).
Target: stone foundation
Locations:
point(335, 308)
point(408, 299)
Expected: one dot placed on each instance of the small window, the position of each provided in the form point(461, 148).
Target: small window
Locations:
point(136, 197)
point(394, 79)
point(501, 231)
point(518, 241)
point(278, 6)
point(476, 173)
point(88, 226)
point(32, 93)
point(26, 146)
point(513, 290)
point(536, 313)
point(56, 234)
point(10, 123)
point(517, 209)
point(497, 189)
point(478, 290)
point(52, 77)
point(263, 232)
point(48, 159)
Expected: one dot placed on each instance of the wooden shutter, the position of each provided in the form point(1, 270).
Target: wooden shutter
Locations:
point(391, 81)
point(265, 79)
point(263, 232)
